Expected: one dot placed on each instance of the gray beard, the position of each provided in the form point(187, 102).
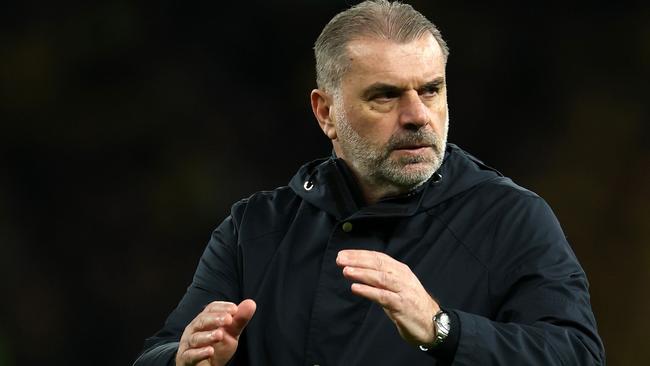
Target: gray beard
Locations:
point(375, 165)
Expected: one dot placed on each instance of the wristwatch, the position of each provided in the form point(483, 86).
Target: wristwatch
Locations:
point(442, 324)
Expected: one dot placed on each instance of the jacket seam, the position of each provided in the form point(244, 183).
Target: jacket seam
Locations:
point(471, 252)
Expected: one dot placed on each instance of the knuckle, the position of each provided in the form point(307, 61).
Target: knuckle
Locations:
point(384, 279)
point(398, 302)
point(224, 307)
point(187, 333)
point(188, 357)
point(195, 339)
point(219, 320)
point(378, 260)
point(383, 297)
point(201, 322)
point(215, 305)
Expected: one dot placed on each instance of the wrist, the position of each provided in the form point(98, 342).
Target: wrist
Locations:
point(441, 327)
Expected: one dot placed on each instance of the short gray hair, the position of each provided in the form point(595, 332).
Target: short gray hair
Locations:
point(379, 19)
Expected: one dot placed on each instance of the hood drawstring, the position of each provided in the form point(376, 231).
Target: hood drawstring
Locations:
point(308, 185)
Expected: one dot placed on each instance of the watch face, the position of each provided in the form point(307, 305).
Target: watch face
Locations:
point(443, 323)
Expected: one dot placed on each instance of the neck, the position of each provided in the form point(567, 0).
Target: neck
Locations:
point(373, 191)
point(372, 188)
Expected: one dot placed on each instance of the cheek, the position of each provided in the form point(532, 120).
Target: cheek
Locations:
point(439, 115)
point(373, 126)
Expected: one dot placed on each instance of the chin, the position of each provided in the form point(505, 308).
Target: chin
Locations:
point(411, 175)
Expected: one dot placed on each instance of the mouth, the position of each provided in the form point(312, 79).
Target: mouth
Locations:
point(413, 148)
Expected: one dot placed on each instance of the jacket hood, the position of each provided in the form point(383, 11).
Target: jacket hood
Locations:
point(329, 185)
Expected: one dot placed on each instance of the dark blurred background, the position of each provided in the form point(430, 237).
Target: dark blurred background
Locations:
point(127, 129)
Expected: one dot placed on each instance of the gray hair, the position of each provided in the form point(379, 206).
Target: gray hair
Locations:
point(379, 19)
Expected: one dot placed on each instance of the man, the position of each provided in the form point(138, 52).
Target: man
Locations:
point(397, 250)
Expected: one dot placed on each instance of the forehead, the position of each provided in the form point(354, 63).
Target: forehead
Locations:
point(402, 64)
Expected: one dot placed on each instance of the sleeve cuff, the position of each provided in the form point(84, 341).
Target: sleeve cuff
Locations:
point(163, 354)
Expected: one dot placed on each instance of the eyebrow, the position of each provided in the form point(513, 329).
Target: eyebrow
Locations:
point(383, 88)
point(435, 83)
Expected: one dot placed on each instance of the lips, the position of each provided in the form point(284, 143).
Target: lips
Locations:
point(412, 147)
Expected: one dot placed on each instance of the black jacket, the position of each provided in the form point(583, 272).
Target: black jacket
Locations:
point(492, 253)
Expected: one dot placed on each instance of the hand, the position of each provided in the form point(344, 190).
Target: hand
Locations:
point(392, 284)
point(212, 337)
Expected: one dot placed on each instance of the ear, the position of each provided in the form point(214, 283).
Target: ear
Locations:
point(321, 104)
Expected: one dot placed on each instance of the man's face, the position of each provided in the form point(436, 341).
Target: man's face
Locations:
point(391, 113)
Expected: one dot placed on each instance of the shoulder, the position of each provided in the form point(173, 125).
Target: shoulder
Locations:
point(269, 200)
point(504, 188)
point(497, 214)
point(491, 199)
point(521, 224)
point(264, 211)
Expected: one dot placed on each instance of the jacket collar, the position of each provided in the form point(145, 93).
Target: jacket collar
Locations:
point(330, 185)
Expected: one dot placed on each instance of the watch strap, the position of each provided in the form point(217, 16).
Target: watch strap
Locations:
point(442, 327)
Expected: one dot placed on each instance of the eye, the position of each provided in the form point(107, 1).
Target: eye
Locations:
point(430, 91)
point(384, 97)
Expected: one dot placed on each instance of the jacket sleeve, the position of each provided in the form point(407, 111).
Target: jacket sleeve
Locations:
point(542, 314)
point(216, 278)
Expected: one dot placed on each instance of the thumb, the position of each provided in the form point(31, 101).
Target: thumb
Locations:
point(245, 311)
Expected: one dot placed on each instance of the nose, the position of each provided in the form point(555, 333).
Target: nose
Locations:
point(413, 112)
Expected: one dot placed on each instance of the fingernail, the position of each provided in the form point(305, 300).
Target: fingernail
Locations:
point(342, 256)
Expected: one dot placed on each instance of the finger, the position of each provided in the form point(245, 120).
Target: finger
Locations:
point(220, 307)
point(245, 311)
point(209, 321)
point(193, 356)
point(379, 279)
point(202, 339)
point(387, 299)
point(366, 259)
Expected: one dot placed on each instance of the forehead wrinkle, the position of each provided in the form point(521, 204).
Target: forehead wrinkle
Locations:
point(367, 58)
